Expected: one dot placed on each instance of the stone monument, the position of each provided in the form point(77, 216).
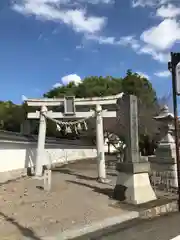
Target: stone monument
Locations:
point(164, 161)
point(133, 184)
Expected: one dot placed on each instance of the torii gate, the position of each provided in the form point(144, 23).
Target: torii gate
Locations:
point(69, 104)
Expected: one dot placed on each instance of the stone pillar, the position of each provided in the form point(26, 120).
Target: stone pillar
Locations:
point(133, 184)
point(100, 145)
point(41, 143)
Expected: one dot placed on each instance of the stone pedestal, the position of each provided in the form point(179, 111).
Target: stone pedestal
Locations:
point(133, 184)
point(163, 164)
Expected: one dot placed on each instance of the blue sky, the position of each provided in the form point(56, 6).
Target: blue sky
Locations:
point(45, 43)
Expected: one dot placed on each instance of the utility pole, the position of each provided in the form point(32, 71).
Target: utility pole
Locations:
point(172, 66)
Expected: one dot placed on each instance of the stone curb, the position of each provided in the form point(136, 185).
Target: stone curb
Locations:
point(159, 210)
point(110, 222)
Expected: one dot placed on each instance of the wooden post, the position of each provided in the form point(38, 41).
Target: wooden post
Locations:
point(47, 180)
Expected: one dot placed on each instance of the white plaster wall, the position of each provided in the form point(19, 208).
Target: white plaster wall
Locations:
point(19, 155)
point(65, 155)
point(12, 159)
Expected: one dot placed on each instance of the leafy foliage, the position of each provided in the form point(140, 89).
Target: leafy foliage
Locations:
point(132, 83)
point(12, 115)
point(90, 87)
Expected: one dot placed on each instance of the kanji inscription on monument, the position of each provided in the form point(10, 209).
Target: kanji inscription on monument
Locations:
point(129, 120)
point(134, 129)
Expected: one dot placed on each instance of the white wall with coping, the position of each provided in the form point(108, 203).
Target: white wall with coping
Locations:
point(16, 156)
point(19, 155)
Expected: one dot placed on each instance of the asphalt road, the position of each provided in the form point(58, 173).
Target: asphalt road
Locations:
point(160, 228)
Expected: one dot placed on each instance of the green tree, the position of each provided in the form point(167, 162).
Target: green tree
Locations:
point(59, 92)
point(11, 116)
point(98, 86)
point(90, 87)
point(132, 83)
point(139, 86)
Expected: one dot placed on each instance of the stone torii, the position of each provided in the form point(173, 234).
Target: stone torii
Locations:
point(68, 110)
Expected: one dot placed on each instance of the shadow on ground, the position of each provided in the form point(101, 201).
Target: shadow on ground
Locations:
point(70, 172)
point(12, 180)
point(110, 231)
point(113, 174)
point(106, 191)
point(76, 168)
point(26, 232)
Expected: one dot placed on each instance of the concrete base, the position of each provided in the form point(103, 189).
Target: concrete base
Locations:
point(134, 188)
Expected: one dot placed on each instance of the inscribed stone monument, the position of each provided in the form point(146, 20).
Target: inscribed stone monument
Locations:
point(133, 183)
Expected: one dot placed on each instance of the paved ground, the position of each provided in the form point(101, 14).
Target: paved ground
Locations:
point(76, 199)
point(161, 228)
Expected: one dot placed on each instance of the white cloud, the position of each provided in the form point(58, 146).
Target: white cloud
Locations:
point(143, 75)
point(23, 98)
point(123, 41)
point(51, 10)
point(168, 11)
point(155, 41)
point(56, 85)
point(80, 46)
point(148, 3)
point(101, 39)
point(129, 40)
point(71, 78)
point(158, 40)
point(163, 74)
point(162, 57)
point(136, 45)
point(98, 1)
point(162, 36)
point(142, 3)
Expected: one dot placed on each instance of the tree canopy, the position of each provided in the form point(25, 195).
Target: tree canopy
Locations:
point(12, 115)
point(95, 86)
point(90, 87)
point(132, 83)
